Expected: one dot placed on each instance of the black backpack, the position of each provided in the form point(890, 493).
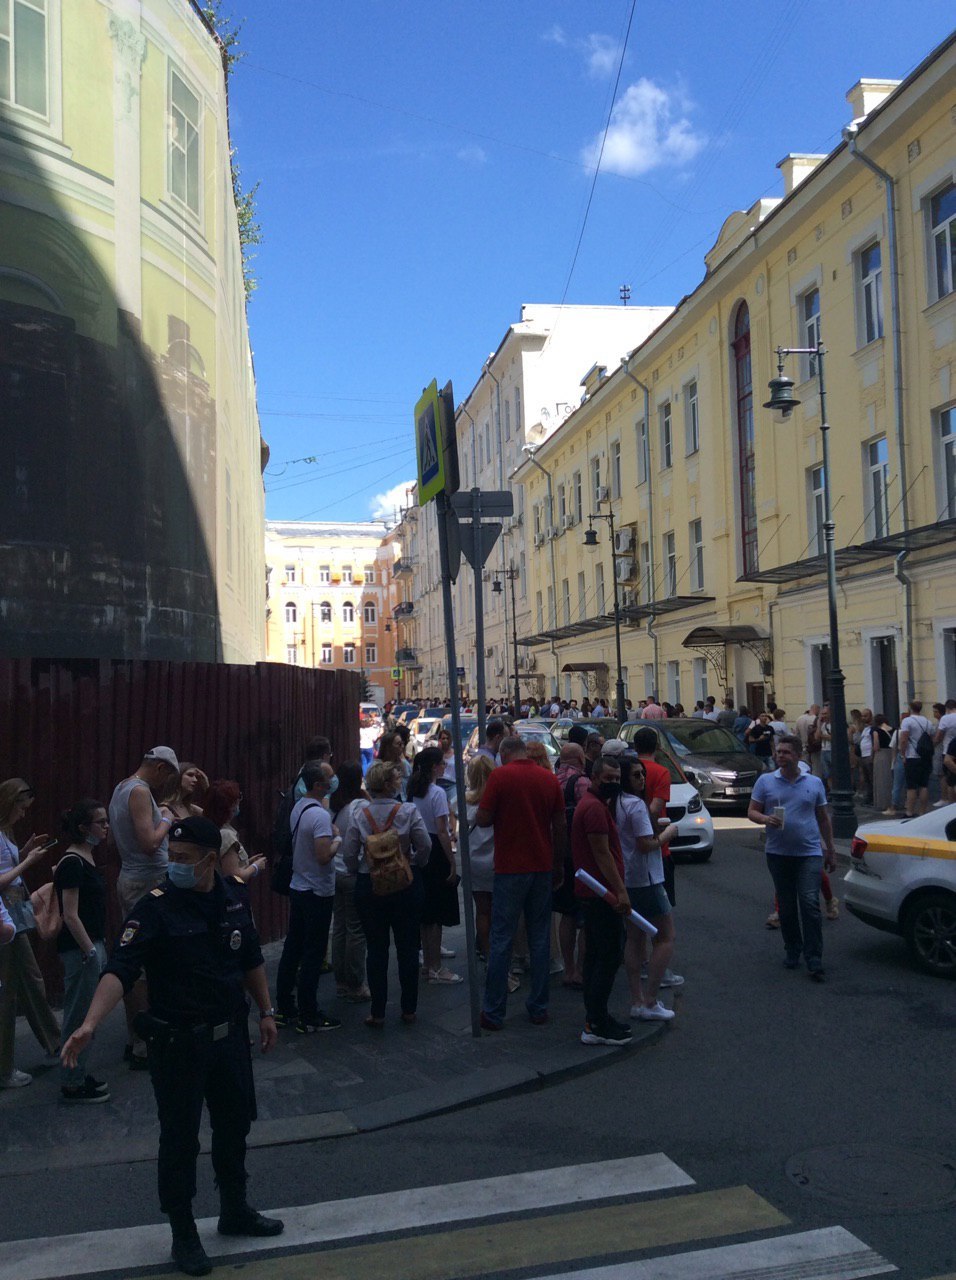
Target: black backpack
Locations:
point(924, 744)
point(283, 839)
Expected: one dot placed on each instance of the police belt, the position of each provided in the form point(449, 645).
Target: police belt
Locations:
point(152, 1028)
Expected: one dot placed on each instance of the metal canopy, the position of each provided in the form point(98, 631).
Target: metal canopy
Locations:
point(730, 634)
point(632, 615)
point(712, 641)
point(584, 666)
point(927, 535)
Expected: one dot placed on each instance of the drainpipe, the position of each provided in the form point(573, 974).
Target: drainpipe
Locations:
point(501, 484)
point(650, 509)
point(850, 134)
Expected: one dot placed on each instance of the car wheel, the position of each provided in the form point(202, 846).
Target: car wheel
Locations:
point(929, 927)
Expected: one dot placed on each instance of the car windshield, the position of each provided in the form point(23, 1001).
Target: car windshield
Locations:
point(703, 737)
point(664, 754)
point(527, 734)
point(467, 724)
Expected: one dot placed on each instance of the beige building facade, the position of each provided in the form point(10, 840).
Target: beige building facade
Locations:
point(718, 512)
point(331, 595)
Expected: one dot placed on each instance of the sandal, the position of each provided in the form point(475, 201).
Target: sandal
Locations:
point(409, 1018)
point(444, 976)
point(375, 1023)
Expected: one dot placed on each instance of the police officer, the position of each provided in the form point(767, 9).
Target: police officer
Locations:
point(196, 938)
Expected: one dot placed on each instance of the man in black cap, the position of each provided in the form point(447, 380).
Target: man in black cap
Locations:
point(195, 936)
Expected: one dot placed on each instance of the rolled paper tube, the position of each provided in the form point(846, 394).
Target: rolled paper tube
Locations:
point(586, 878)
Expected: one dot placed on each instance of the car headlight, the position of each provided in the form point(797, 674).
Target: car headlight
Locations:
point(702, 775)
point(695, 804)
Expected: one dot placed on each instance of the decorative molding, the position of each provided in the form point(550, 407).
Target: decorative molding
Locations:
point(131, 54)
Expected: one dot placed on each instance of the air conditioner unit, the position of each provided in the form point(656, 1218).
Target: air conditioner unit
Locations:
point(571, 521)
point(489, 652)
point(564, 522)
point(623, 540)
point(624, 568)
point(628, 598)
point(600, 494)
point(538, 542)
point(551, 531)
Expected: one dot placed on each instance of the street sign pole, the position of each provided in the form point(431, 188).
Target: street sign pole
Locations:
point(477, 563)
point(445, 517)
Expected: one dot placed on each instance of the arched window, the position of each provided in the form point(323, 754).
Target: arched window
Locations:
point(370, 613)
point(348, 611)
point(291, 613)
point(747, 495)
point(325, 611)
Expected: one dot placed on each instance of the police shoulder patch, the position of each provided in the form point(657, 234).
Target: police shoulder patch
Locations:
point(130, 932)
point(156, 893)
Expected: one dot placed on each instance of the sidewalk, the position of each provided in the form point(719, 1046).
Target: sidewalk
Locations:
point(323, 1085)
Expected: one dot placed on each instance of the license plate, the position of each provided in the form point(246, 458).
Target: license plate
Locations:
point(738, 791)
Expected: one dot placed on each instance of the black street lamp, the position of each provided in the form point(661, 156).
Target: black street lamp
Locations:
point(591, 541)
point(509, 575)
point(783, 402)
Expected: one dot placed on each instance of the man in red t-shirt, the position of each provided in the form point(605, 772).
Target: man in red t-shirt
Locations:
point(525, 805)
point(657, 794)
point(596, 848)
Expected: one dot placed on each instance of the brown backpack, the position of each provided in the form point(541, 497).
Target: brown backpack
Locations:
point(388, 867)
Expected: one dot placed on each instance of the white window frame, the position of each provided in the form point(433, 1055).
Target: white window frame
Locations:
point(577, 483)
point(582, 595)
point(347, 575)
point(600, 591)
point(646, 572)
point(371, 655)
point(596, 486)
point(666, 418)
point(517, 410)
point(369, 613)
point(348, 654)
point(348, 612)
point(291, 611)
point(615, 469)
point(700, 679)
point(870, 300)
point(669, 563)
point(816, 512)
point(562, 505)
point(183, 202)
point(291, 575)
point(325, 653)
point(691, 418)
point(942, 283)
point(810, 329)
point(877, 489)
point(695, 544)
point(325, 611)
point(325, 575)
point(673, 681)
point(643, 454)
point(292, 655)
point(944, 436)
point(370, 575)
point(50, 118)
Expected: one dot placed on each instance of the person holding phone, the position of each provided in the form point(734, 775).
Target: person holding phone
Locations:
point(21, 983)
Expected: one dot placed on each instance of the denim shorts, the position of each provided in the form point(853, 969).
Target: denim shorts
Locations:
point(650, 901)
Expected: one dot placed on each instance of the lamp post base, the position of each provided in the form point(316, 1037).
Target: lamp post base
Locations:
point(842, 814)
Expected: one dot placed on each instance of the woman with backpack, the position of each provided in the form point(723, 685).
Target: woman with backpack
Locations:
point(440, 878)
point(385, 847)
point(81, 895)
point(348, 936)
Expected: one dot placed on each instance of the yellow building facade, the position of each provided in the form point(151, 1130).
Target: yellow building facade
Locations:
point(718, 511)
point(332, 594)
point(131, 514)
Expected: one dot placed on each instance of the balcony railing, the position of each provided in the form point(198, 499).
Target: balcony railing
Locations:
point(406, 657)
point(404, 609)
point(402, 567)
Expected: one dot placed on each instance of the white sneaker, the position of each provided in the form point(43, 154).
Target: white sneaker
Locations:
point(653, 1013)
point(447, 953)
point(671, 979)
point(15, 1080)
point(557, 965)
point(940, 804)
point(444, 976)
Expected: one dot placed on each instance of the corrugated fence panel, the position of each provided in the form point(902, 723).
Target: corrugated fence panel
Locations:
point(76, 728)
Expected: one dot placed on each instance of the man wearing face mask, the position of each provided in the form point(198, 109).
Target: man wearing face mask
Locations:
point(596, 848)
point(196, 939)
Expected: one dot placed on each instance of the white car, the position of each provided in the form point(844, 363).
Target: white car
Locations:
point(902, 879)
point(694, 841)
point(421, 729)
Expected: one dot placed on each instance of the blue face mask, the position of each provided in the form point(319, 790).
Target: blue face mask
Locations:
point(183, 874)
point(92, 840)
point(334, 784)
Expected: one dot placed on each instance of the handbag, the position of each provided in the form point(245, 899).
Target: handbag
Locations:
point(21, 910)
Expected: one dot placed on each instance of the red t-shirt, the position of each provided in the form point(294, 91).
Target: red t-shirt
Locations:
point(522, 799)
point(593, 817)
point(657, 785)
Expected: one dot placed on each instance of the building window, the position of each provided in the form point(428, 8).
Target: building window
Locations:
point(348, 655)
point(291, 612)
point(325, 575)
point(670, 564)
point(642, 455)
point(667, 439)
point(810, 317)
point(696, 547)
point(691, 419)
point(616, 488)
point(325, 611)
point(595, 481)
point(578, 485)
point(507, 419)
point(646, 583)
point(582, 597)
point(649, 689)
point(184, 163)
point(700, 679)
point(942, 220)
point(290, 575)
point(292, 655)
point(746, 487)
point(371, 655)
point(815, 509)
point(562, 507)
point(348, 611)
point(518, 410)
point(566, 600)
point(536, 510)
point(599, 596)
point(326, 652)
point(878, 482)
point(347, 573)
point(539, 611)
point(871, 293)
point(23, 55)
point(947, 440)
point(673, 683)
point(369, 574)
point(369, 612)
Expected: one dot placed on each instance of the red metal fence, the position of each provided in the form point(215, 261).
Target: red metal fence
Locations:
point(75, 728)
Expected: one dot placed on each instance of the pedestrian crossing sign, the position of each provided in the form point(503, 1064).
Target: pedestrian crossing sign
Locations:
point(429, 444)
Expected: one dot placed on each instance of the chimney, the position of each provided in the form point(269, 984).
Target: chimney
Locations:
point(795, 167)
point(868, 94)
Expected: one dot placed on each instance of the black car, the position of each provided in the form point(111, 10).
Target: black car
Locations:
point(723, 771)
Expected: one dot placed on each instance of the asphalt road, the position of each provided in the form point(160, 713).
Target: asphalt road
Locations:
point(847, 1084)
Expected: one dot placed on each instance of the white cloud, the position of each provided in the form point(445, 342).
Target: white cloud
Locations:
point(650, 128)
point(384, 506)
point(556, 35)
point(602, 55)
point(473, 154)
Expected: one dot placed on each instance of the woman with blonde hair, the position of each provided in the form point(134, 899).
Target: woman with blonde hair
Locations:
point(21, 983)
point(481, 851)
point(538, 752)
point(187, 793)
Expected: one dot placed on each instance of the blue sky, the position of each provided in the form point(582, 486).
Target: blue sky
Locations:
point(425, 168)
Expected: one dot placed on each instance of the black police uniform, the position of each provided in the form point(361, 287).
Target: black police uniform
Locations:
point(196, 949)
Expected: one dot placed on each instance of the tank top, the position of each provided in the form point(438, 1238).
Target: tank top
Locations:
point(134, 861)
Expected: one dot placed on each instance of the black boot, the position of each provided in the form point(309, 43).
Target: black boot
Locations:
point(237, 1218)
point(187, 1252)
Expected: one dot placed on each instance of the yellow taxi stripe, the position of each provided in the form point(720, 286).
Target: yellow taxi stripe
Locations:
point(495, 1247)
point(910, 846)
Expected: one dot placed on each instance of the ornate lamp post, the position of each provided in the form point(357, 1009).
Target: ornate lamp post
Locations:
point(509, 575)
point(591, 541)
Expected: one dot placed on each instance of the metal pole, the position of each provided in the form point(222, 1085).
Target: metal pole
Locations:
point(553, 619)
point(512, 574)
point(480, 693)
point(621, 709)
point(441, 509)
point(841, 791)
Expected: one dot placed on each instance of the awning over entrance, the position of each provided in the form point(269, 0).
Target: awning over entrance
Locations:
point(927, 535)
point(731, 634)
point(712, 641)
point(584, 666)
point(631, 615)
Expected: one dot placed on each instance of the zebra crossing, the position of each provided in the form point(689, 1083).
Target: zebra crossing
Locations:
point(638, 1218)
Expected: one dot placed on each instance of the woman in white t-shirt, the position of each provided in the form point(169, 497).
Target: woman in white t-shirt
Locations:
point(440, 876)
point(644, 878)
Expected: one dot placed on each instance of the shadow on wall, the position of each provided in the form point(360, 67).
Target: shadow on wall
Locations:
point(107, 451)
